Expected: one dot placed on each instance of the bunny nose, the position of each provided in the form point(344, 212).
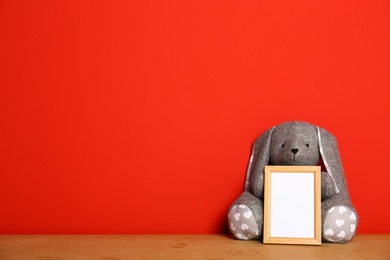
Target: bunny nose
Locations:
point(294, 151)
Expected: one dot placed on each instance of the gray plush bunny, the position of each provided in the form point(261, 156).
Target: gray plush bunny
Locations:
point(296, 143)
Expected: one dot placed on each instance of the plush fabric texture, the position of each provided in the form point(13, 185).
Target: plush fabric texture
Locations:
point(339, 224)
point(242, 223)
point(297, 143)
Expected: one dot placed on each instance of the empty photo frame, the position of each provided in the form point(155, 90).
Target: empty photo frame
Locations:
point(292, 205)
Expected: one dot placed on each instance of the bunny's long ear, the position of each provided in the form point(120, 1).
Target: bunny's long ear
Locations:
point(331, 157)
point(259, 157)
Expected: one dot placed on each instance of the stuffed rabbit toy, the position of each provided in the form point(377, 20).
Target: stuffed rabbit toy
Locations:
point(296, 143)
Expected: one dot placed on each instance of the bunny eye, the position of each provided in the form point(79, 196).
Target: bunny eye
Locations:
point(283, 145)
point(307, 145)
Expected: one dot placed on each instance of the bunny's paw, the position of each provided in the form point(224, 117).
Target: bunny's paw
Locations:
point(339, 225)
point(242, 223)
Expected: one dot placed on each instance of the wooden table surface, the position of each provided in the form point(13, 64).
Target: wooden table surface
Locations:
point(115, 247)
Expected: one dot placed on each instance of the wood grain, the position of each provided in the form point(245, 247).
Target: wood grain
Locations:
point(116, 247)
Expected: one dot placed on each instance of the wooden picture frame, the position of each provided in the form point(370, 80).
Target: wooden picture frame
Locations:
point(292, 205)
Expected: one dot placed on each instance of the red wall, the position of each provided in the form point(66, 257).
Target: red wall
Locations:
point(139, 116)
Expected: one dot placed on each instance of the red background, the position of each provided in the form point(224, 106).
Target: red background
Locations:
point(139, 116)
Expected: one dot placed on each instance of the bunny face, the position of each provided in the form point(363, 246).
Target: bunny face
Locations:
point(294, 143)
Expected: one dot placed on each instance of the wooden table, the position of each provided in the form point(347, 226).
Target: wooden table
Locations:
point(115, 247)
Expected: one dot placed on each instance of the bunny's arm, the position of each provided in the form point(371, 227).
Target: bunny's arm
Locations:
point(327, 186)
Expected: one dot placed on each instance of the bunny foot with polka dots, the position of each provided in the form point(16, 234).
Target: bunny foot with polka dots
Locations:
point(242, 223)
point(339, 225)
